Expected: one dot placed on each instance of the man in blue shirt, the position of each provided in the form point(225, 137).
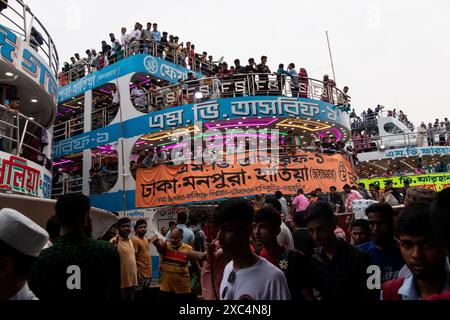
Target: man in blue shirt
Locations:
point(294, 79)
point(156, 33)
point(383, 249)
point(188, 234)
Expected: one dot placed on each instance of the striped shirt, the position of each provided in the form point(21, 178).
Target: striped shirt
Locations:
point(175, 275)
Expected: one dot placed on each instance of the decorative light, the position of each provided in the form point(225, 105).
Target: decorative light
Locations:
point(198, 95)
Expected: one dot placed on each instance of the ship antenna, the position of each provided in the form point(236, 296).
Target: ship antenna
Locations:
point(331, 57)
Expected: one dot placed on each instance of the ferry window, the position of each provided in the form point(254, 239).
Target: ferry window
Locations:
point(105, 105)
point(67, 175)
point(69, 119)
point(146, 92)
point(392, 128)
point(104, 172)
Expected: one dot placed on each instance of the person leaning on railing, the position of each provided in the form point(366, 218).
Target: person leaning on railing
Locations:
point(139, 97)
point(64, 75)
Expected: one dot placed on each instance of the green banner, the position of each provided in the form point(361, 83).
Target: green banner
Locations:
point(436, 181)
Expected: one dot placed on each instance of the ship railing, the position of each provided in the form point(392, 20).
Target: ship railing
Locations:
point(68, 129)
point(102, 117)
point(103, 182)
point(24, 24)
point(69, 186)
point(403, 140)
point(22, 136)
point(170, 53)
point(368, 121)
point(87, 66)
point(239, 85)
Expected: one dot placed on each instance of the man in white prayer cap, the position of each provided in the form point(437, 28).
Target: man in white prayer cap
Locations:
point(21, 241)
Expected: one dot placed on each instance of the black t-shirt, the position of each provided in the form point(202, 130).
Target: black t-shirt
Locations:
point(262, 68)
point(250, 69)
point(239, 70)
point(336, 200)
point(303, 242)
point(296, 268)
point(106, 49)
point(343, 278)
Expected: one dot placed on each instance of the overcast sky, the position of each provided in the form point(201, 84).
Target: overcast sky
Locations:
point(395, 53)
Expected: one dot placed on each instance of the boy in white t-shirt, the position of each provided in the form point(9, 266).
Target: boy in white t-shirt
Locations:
point(247, 276)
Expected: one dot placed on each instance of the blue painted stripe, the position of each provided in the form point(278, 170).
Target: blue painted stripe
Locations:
point(228, 109)
point(87, 140)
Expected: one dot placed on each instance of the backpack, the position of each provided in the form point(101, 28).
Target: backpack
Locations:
point(390, 290)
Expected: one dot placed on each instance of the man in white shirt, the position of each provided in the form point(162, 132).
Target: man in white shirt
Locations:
point(138, 95)
point(247, 276)
point(94, 63)
point(135, 38)
point(115, 96)
point(125, 40)
point(284, 206)
point(21, 241)
point(160, 156)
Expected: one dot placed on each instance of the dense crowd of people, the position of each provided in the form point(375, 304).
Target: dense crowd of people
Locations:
point(289, 145)
point(270, 248)
point(371, 115)
point(365, 132)
point(151, 41)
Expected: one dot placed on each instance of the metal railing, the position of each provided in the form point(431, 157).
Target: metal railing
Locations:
point(403, 140)
point(102, 117)
point(371, 121)
point(91, 64)
point(239, 85)
point(20, 20)
point(22, 136)
point(69, 128)
point(69, 186)
point(99, 184)
point(103, 182)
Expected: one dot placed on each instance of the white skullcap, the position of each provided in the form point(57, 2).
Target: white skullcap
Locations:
point(21, 233)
